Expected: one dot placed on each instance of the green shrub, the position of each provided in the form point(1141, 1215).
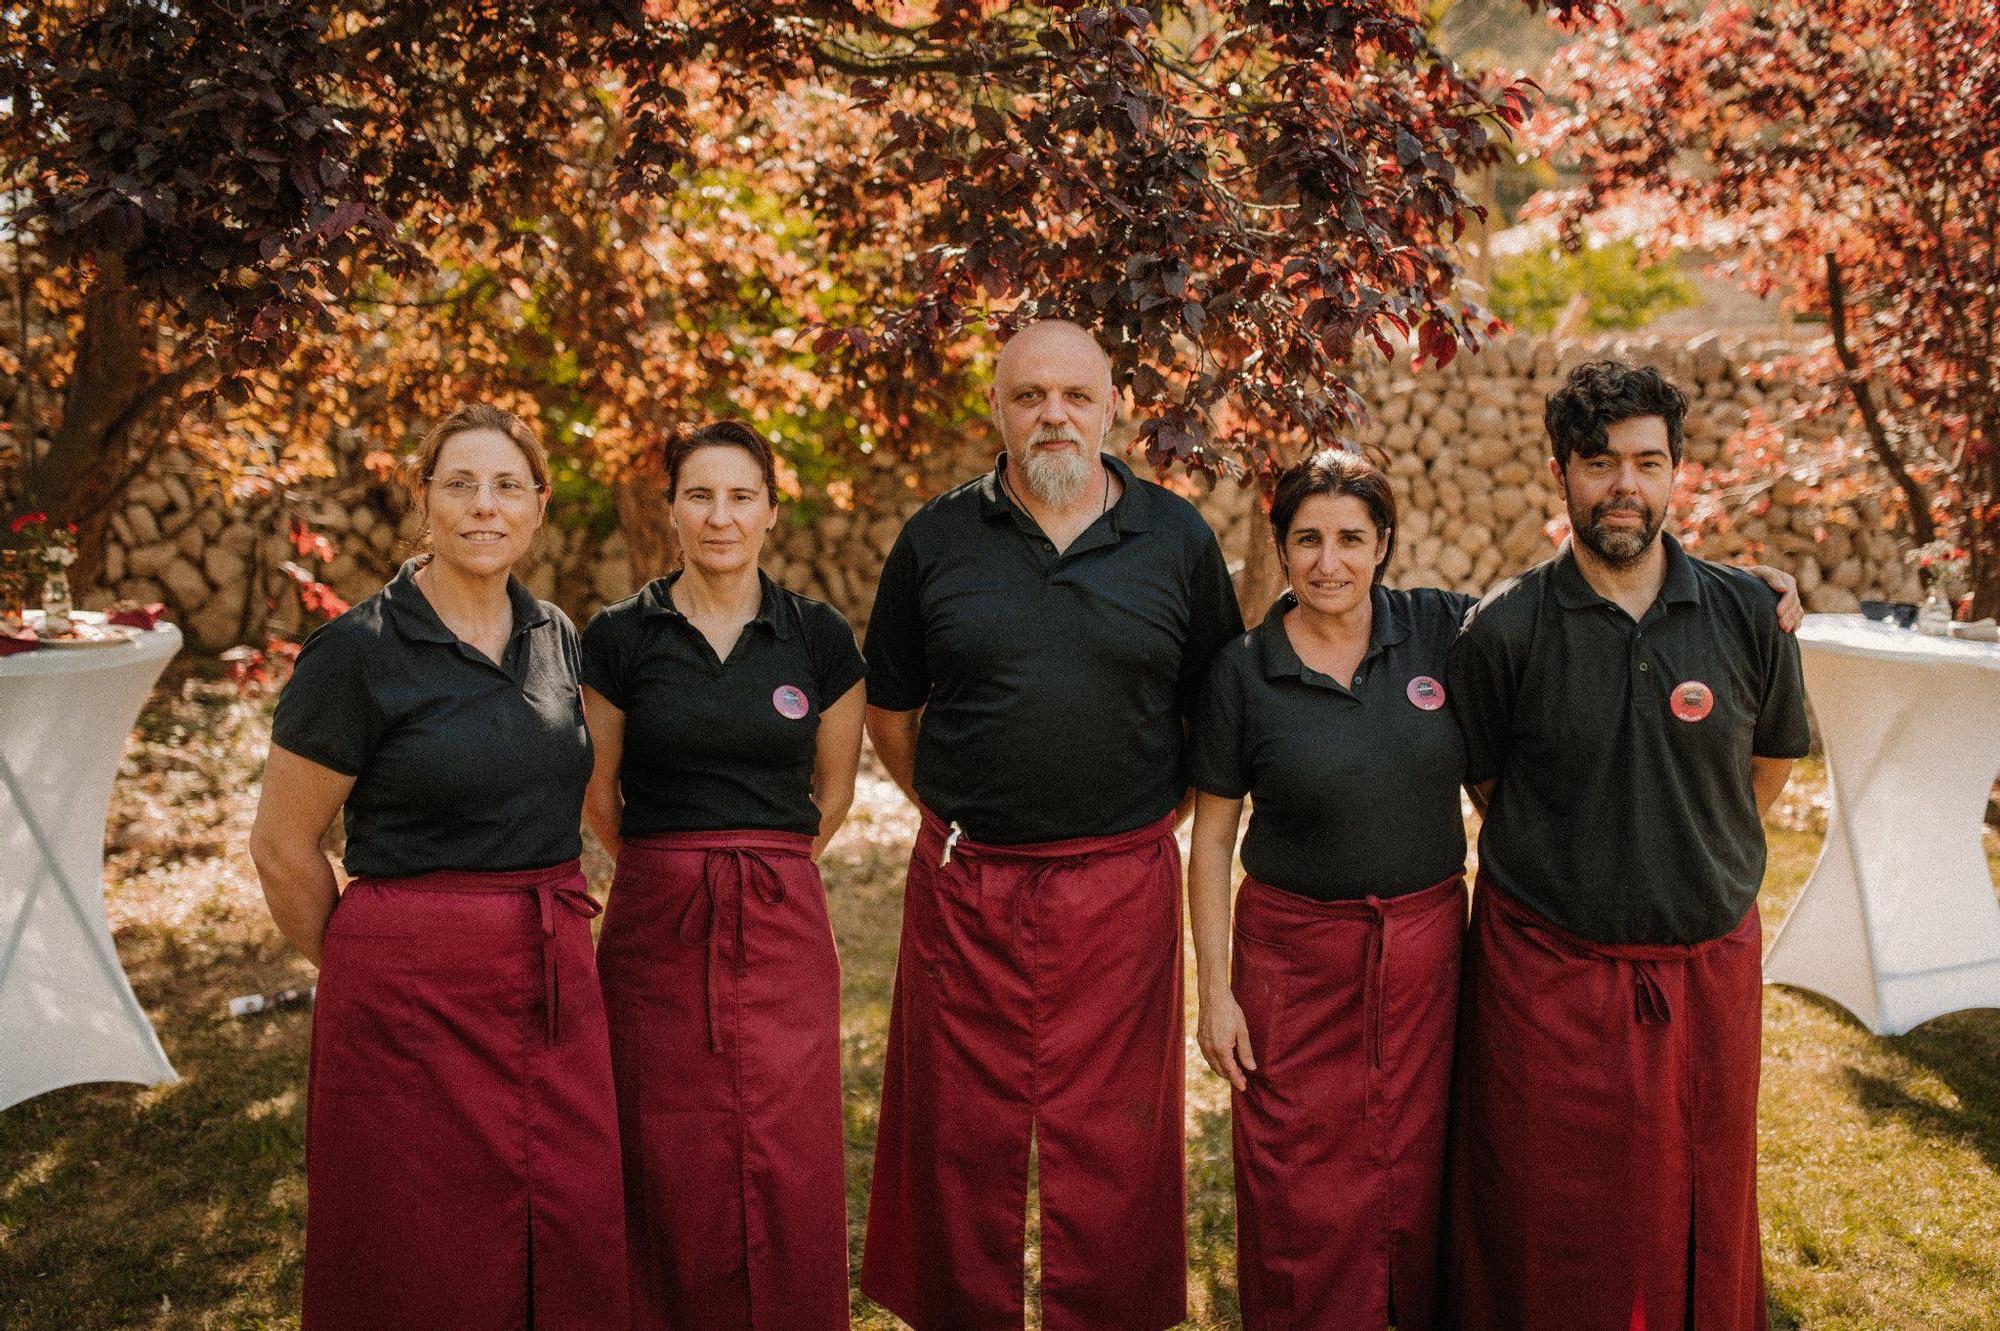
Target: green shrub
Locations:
point(1530, 291)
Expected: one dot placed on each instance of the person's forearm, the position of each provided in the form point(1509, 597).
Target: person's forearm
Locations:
point(1768, 777)
point(894, 738)
point(1208, 914)
point(604, 810)
point(300, 889)
point(833, 808)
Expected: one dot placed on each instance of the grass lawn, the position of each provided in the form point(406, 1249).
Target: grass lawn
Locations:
point(183, 1207)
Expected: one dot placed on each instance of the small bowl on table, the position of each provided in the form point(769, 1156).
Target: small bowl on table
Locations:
point(1903, 614)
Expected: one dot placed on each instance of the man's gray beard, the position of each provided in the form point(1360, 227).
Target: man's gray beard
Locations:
point(1057, 479)
point(1618, 548)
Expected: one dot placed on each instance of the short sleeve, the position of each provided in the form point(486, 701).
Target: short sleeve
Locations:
point(1214, 618)
point(1215, 753)
point(572, 644)
point(836, 661)
point(604, 665)
point(899, 677)
point(1481, 688)
point(1782, 731)
point(326, 714)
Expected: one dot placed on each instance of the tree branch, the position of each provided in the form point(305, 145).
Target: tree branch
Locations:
point(965, 62)
point(1922, 526)
point(470, 291)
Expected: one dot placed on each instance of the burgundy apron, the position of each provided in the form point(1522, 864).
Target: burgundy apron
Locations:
point(461, 1135)
point(1038, 996)
point(723, 992)
point(1340, 1137)
point(1604, 1134)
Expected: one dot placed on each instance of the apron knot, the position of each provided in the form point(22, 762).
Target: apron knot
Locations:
point(1649, 998)
point(573, 895)
point(736, 872)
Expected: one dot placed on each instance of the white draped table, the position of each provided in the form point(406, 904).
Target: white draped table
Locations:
point(1899, 923)
point(67, 1014)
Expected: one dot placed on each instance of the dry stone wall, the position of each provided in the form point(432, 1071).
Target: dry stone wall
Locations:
point(1468, 455)
point(1465, 447)
point(219, 565)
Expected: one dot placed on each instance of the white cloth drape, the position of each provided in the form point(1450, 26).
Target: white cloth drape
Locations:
point(1898, 923)
point(67, 1014)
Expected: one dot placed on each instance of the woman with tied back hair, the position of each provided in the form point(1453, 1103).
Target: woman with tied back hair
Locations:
point(1336, 1034)
point(727, 716)
point(462, 1152)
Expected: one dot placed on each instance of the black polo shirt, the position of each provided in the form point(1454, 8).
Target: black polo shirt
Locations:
point(709, 744)
point(1624, 811)
point(1354, 791)
point(458, 763)
point(1054, 687)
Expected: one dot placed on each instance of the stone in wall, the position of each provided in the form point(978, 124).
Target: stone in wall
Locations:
point(1464, 445)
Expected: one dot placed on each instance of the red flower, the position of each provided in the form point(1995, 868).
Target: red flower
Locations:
point(25, 520)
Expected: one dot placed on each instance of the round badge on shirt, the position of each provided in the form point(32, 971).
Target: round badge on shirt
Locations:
point(1692, 700)
point(1425, 693)
point(790, 700)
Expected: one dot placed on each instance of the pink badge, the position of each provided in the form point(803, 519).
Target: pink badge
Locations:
point(790, 702)
point(1426, 693)
point(1692, 700)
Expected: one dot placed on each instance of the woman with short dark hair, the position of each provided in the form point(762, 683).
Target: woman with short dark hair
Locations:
point(1336, 1035)
point(726, 712)
point(462, 1162)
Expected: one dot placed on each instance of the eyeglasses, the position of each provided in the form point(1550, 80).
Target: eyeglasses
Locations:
point(506, 490)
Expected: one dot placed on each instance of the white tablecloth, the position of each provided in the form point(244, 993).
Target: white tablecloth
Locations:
point(67, 1013)
point(1898, 923)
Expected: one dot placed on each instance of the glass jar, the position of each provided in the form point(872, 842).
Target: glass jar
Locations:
point(1934, 615)
point(55, 602)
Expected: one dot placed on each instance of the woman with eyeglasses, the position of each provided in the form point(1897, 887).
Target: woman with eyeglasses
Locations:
point(727, 716)
point(462, 1151)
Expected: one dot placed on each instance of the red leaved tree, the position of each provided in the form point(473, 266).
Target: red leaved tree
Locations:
point(1238, 193)
point(1845, 153)
point(193, 189)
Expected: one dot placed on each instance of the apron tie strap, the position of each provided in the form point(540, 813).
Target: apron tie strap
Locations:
point(1377, 968)
point(573, 894)
point(730, 870)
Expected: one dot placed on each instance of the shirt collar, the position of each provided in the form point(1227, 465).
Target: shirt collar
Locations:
point(1387, 626)
point(1574, 592)
point(1133, 511)
point(657, 599)
point(416, 619)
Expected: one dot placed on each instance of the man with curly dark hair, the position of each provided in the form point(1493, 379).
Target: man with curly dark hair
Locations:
point(1629, 714)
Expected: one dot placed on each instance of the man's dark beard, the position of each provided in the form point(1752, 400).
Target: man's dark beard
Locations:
point(1619, 547)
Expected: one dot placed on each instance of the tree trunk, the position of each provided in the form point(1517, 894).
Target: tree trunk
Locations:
point(1915, 497)
point(650, 546)
point(114, 384)
point(109, 376)
point(1260, 579)
point(1981, 535)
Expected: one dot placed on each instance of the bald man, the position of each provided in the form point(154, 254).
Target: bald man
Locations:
point(1038, 640)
